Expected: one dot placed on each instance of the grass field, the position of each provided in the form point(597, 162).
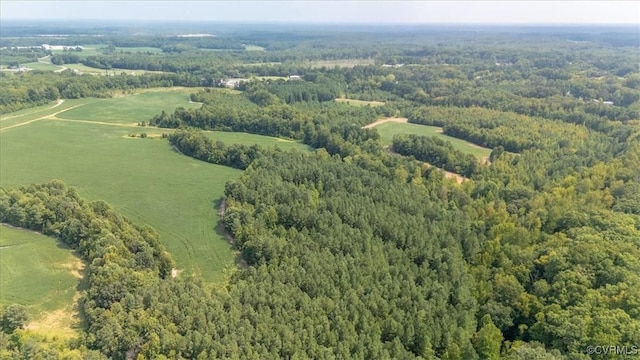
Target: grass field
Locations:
point(41, 66)
point(360, 102)
point(90, 70)
point(28, 116)
point(267, 141)
point(388, 130)
point(144, 179)
point(39, 272)
point(249, 47)
point(348, 63)
point(133, 108)
point(133, 50)
point(88, 50)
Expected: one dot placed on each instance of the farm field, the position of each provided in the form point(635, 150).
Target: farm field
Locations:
point(42, 66)
point(133, 108)
point(28, 116)
point(359, 102)
point(144, 179)
point(346, 63)
point(115, 71)
point(142, 49)
point(249, 47)
point(389, 129)
point(87, 50)
point(41, 273)
point(249, 139)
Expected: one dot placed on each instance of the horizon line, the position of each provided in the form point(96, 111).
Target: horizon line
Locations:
point(261, 22)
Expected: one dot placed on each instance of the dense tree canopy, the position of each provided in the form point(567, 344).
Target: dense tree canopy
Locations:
point(355, 251)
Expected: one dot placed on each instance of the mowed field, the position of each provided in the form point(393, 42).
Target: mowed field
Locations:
point(41, 273)
point(390, 129)
point(359, 102)
point(115, 71)
point(345, 63)
point(89, 148)
point(132, 109)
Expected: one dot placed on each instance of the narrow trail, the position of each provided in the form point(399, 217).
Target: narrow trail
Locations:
point(4, 118)
point(50, 116)
point(386, 120)
point(61, 68)
point(447, 174)
point(130, 125)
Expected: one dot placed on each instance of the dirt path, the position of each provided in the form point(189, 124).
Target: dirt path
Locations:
point(221, 211)
point(134, 125)
point(447, 174)
point(60, 102)
point(50, 116)
point(62, 68)
point(386, 120)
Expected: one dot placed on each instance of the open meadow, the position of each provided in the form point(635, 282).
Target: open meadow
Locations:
point(355, 102)
point(389, 129)
point(40, 273)
point(89, 147)
point(135, 108)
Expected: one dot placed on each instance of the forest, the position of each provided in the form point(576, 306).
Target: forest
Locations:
point(357, 249)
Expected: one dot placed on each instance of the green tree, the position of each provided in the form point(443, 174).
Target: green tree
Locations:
point(13, 317)
point(488, 339)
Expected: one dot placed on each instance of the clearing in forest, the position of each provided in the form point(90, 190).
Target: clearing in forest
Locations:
point(146, 180)
point(390, 127)
point(359, 102)
point(42, 274)
point(345, 63)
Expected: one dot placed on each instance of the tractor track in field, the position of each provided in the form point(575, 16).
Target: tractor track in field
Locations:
point(386, 120)
point(50, 116)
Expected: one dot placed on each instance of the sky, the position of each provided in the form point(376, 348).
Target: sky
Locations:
point(307, 11)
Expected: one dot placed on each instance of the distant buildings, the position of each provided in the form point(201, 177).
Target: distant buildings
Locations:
point(233, 82)
point(61, 47)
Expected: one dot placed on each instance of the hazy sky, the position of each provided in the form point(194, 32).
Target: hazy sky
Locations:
point(425, 12)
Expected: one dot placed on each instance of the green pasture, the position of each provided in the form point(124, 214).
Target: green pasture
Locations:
point(248, 47)
point(42, 66)
point(36, 271)
point(249, 139)
point(40, 112)
point(348, 63)
point(144, 179)
point(133, 108)
point(388, 130)
point(88, 50)
point(360, 102)
point(115, 71)
point(141, 49)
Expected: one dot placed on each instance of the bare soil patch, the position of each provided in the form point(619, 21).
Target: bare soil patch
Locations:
point(386, 120)
point(74, 267)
